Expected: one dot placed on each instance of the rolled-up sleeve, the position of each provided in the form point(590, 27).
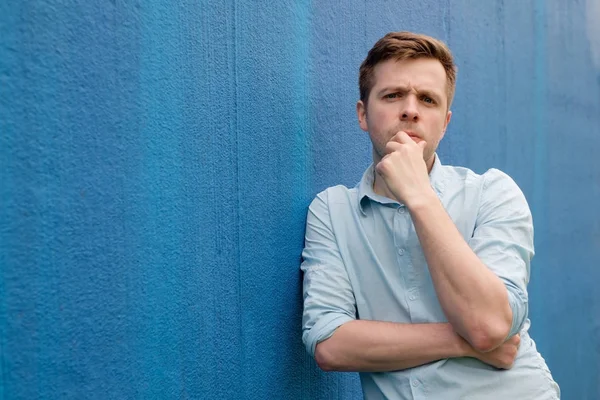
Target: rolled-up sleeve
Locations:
point(328, 297)
point(503, 239)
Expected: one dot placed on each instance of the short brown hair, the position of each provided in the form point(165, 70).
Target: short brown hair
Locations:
point(404, 46)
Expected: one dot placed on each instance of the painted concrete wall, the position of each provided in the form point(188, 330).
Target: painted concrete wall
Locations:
point(157, 159)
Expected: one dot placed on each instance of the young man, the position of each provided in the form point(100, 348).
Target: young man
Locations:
point(417, 277)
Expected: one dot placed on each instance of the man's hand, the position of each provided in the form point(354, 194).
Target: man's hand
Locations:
point(503, 357)
point(403, 168)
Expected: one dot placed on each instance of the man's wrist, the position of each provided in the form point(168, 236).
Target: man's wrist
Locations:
point(465, 349)
point(458, 347)
point(422, 200)
point(462, 348)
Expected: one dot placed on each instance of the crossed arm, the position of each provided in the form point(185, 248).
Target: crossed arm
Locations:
point(375, 346)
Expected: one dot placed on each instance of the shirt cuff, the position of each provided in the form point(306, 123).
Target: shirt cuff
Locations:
point(323, 329)
point(519, 306)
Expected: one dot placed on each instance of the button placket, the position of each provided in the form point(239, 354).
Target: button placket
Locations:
point(400, 210)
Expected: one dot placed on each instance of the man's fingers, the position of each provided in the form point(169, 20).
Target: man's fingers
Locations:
point(402, 137)
point(392, 146)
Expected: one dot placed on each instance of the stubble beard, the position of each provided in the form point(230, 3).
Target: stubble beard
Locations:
point(379, 148)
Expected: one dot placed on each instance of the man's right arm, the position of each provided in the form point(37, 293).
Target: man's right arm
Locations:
point(375, 346)
point(339, 341)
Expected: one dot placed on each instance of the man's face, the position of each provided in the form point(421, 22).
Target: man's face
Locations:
point(408, 95)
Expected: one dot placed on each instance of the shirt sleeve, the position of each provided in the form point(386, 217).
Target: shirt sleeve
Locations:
point(503, 239)
point(328, 298)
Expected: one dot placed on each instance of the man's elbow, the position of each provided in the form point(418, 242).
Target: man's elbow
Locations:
point(325, 358)
point(489, 336)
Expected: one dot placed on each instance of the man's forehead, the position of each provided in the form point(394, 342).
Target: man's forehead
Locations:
point(421, 75)
point(424, 74)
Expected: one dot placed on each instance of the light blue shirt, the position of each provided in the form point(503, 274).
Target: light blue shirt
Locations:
point(362, 260)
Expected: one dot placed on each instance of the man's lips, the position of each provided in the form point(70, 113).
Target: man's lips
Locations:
point(413, 136)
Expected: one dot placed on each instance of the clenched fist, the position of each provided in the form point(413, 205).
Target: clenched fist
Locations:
point(502, 357)
point(403, 168)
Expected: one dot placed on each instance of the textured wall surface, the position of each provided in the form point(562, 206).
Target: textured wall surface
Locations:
point(157, 159)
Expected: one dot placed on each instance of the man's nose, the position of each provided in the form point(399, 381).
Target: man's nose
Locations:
point(409, 111)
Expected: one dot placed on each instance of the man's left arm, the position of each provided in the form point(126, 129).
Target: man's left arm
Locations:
point(481, 284)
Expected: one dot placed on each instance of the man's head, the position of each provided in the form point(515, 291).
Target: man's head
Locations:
point(406, 83)
point(401, 46)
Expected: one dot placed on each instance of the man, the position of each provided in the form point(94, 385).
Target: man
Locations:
point(417, 277)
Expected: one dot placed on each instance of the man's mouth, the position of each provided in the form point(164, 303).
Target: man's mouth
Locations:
point(413, 136)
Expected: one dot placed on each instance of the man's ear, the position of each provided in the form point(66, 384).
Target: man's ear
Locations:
point(448, 118)
point(361, 113)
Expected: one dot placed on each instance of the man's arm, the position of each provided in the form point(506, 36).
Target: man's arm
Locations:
point(472, 293)
point(474, 299)
point(374, 346)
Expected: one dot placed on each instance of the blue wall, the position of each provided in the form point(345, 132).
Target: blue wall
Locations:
point(157, 159)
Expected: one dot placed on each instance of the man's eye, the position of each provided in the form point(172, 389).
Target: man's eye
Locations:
point(392, 96)
point(428, 100)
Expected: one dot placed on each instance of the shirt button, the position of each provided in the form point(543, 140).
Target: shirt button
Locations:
point(412, 297)
point(401, 210)
point(414, 383)
point(401, 251)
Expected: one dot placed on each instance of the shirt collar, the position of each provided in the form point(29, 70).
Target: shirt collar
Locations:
point(365, 186)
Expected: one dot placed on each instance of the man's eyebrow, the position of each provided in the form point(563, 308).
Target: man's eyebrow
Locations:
point(393, 89)
point(430, 93)
point(403, 89)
